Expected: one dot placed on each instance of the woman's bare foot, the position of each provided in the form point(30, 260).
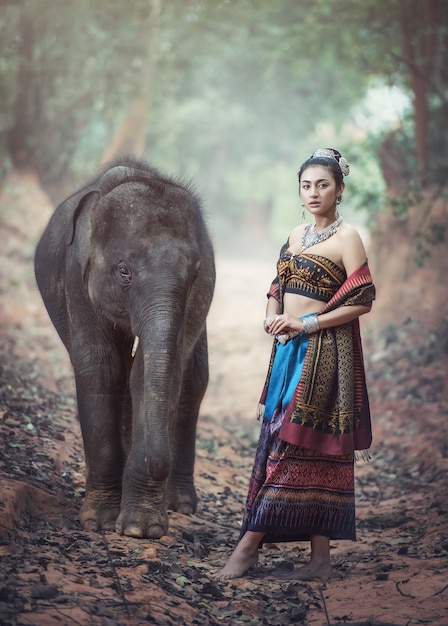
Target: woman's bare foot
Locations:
point(310, 571)
point(319, 565)
point(242, 558)
point(238, 564)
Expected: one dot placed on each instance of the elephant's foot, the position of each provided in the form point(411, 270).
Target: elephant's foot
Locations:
point(182, 499)
point(141, 523)
point(98, 513)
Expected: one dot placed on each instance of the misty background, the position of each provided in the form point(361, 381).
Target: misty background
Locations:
point(233, 95)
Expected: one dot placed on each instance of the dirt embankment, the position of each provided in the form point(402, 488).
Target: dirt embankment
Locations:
point(52, 572)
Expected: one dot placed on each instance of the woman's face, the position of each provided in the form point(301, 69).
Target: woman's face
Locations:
point(318, 190)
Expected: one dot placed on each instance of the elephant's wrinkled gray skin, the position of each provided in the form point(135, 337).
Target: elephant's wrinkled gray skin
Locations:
point(129, 255)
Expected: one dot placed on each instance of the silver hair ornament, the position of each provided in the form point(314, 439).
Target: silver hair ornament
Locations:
point(326, 153)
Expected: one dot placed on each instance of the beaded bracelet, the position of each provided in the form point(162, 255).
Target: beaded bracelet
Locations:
point(310, 324)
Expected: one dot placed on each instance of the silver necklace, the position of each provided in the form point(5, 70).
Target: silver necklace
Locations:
point(311, 236)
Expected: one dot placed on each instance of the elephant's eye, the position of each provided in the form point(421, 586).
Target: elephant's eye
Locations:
point(124, 273)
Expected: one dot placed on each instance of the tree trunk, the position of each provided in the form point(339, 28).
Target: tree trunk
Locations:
point(410, 281)
point(21, 135)
point(419, 24)
point(131, 135)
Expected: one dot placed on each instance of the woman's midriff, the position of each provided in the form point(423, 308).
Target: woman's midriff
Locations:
point(298, 305)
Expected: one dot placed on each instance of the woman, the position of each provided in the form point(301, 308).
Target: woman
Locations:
point(315, 404)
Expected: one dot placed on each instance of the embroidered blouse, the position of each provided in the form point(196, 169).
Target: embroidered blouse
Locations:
point(309, 275)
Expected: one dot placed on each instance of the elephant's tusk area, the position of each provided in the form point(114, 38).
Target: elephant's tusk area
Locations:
point(135, 345)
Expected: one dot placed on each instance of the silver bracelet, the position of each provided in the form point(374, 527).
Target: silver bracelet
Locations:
point(310, 324)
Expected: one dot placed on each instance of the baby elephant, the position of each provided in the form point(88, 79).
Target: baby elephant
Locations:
point(126, 270)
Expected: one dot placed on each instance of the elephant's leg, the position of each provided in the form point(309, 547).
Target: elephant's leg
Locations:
point(143, 511)
point(181, 492)
point(100, 391)
point(143, 504)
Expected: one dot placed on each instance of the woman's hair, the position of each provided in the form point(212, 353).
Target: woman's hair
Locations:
point(331, 159)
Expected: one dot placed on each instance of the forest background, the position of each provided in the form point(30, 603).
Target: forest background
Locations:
point(234, 95)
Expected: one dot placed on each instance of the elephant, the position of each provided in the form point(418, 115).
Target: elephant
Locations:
point(126, 270)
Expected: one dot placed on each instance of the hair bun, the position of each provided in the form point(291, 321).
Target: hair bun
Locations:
point(329, 153)
point(344, 165)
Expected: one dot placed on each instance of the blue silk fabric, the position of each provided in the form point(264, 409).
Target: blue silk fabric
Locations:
point(286, 372)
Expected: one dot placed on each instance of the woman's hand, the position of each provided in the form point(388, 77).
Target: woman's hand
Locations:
point(281, 324)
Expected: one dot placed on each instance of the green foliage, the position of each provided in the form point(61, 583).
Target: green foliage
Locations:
point(365, 186)
point(239, 92)
point(405, 42)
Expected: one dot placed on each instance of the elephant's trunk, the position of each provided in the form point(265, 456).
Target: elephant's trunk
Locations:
point(160, 343)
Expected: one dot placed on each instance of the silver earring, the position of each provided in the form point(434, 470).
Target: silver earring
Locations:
point(336, 214)
point(303, 212)
point(339, 199)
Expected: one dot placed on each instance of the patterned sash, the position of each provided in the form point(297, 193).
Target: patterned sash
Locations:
point(329, 411)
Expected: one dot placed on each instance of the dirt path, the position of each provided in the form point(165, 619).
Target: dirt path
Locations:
point(52, 572)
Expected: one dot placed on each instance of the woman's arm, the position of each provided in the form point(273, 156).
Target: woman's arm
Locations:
point(272, 310)
point(287, 323)
point(272, 307)
point(353, 251)
point(353, 256)
point(342, 315)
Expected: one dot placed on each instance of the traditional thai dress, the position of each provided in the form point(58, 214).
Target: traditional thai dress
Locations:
point(315, 412)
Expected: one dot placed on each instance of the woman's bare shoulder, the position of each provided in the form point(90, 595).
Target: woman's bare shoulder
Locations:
point(348, 230)
point(354, 253)
point(296, 234)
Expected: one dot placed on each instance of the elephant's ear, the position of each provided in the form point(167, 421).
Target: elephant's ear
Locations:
point(81, 228)
point(87, 201)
